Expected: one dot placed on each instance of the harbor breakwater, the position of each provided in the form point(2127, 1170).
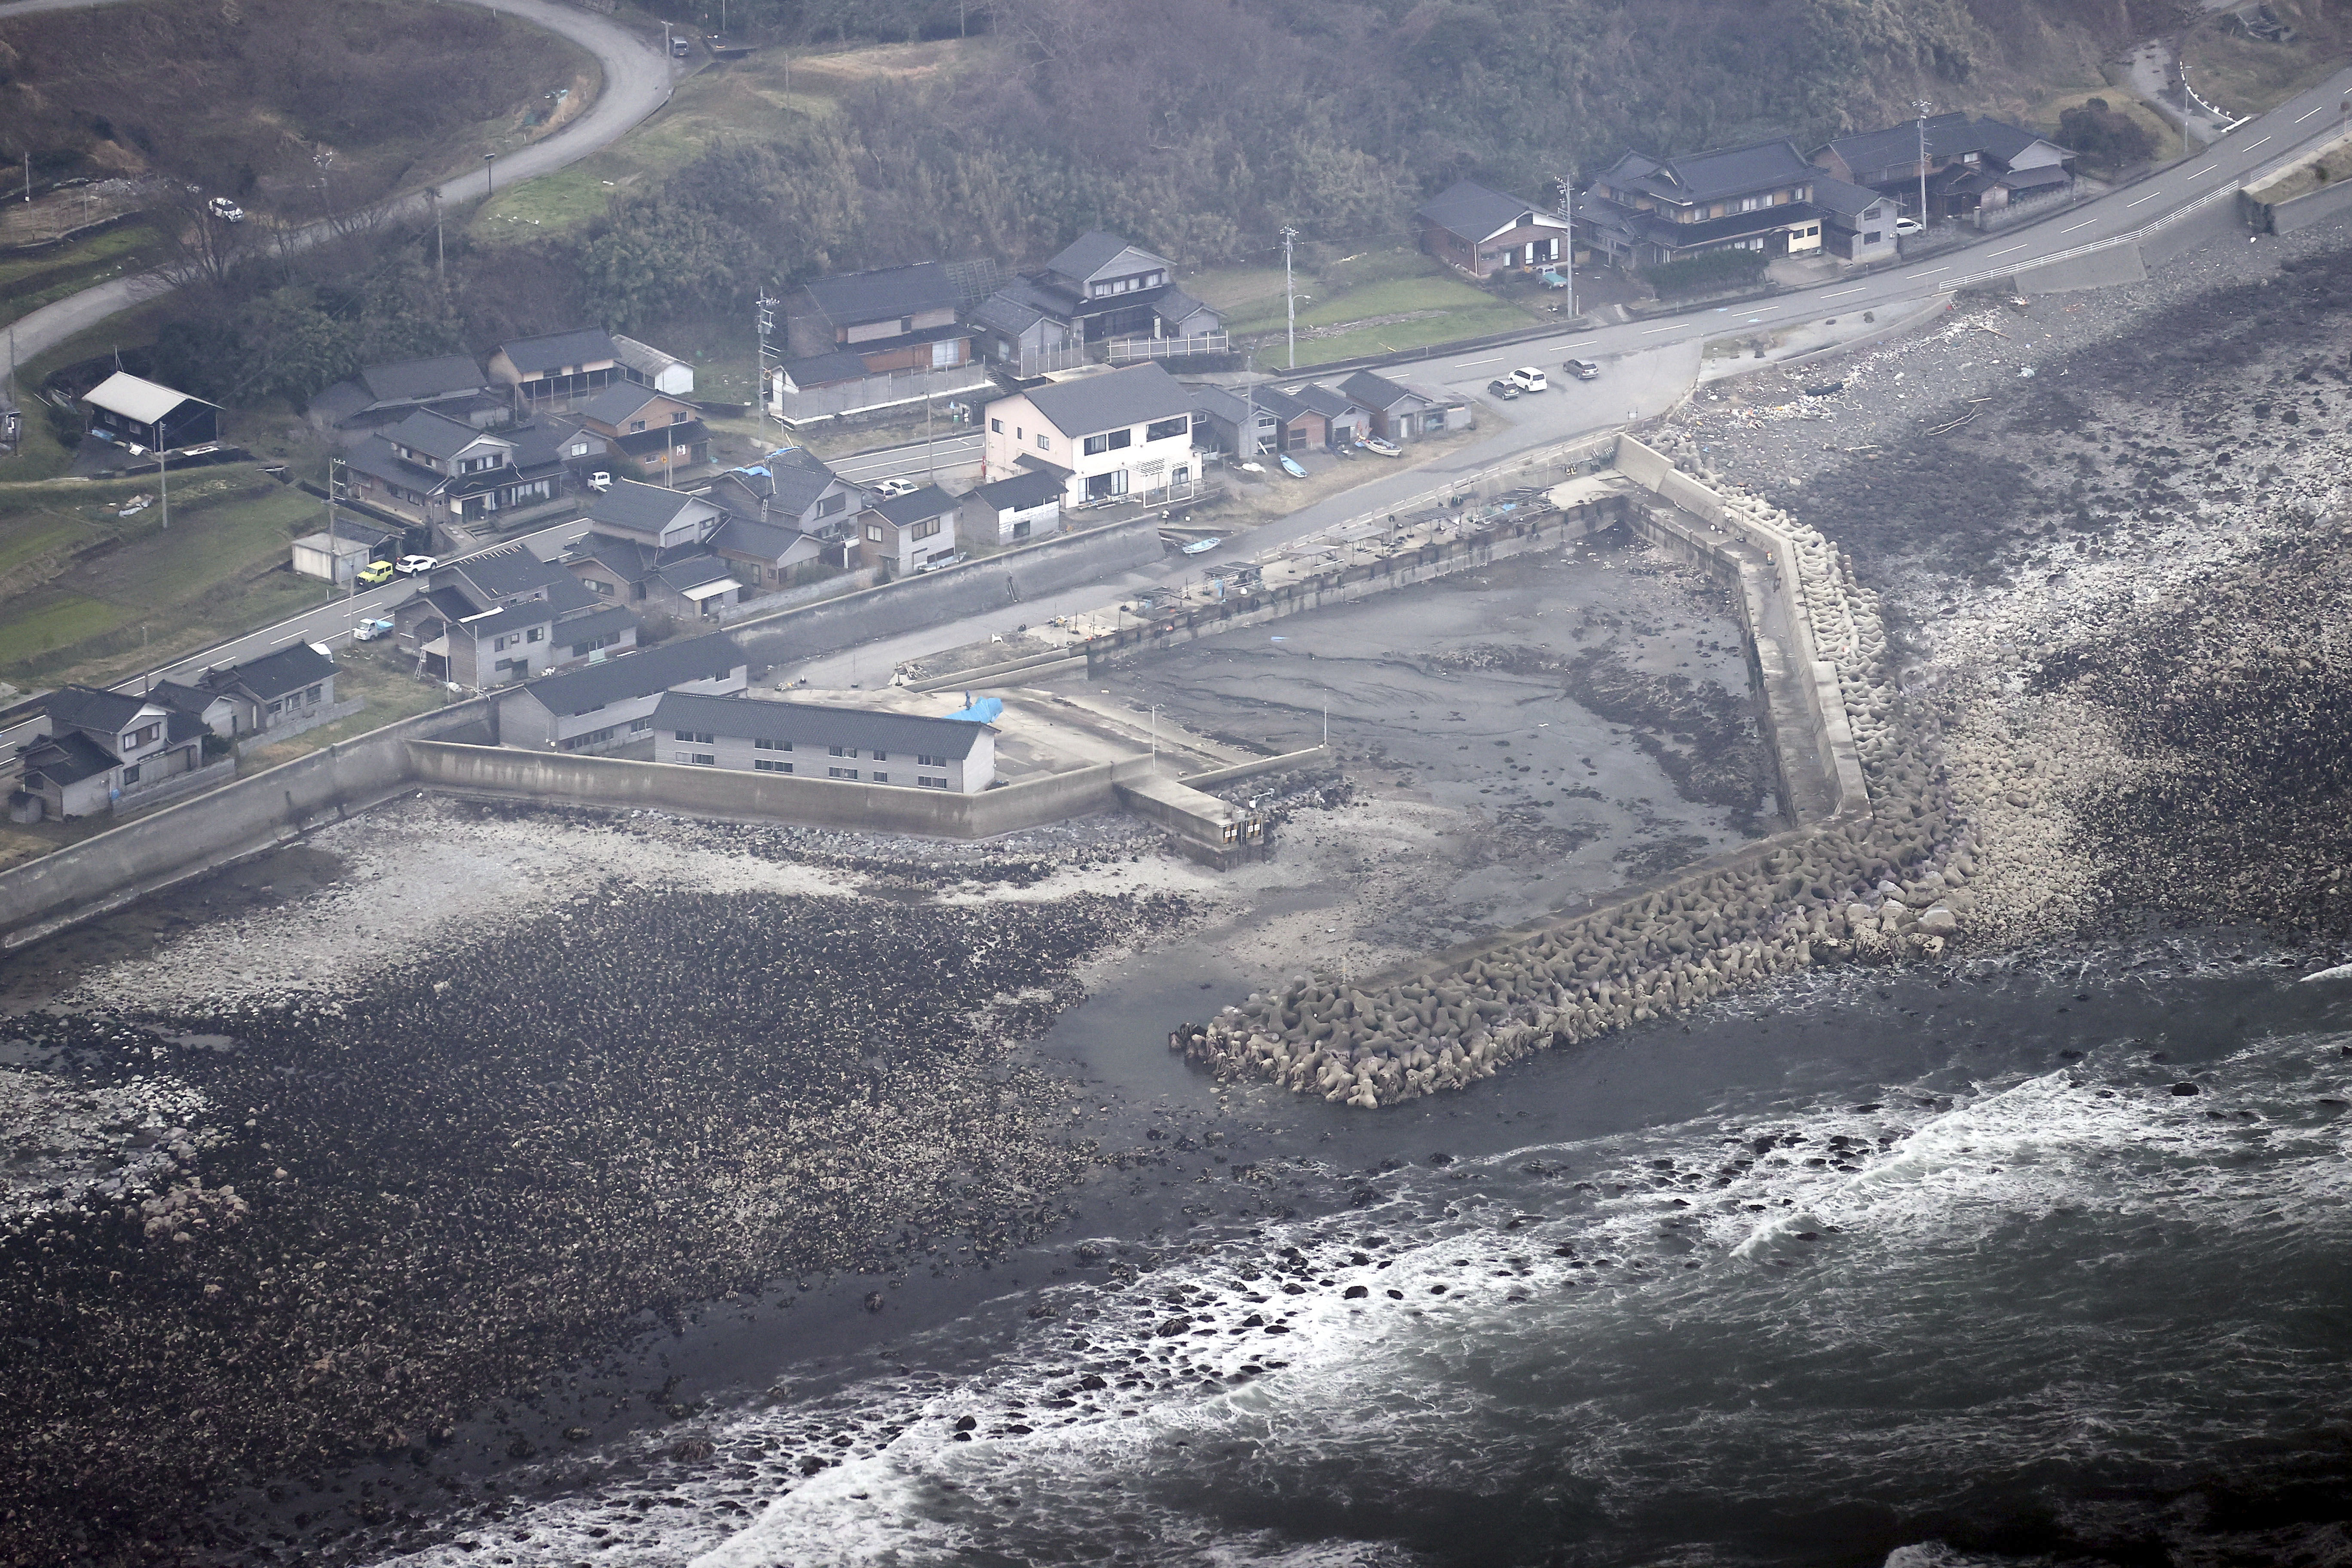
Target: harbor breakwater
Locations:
point(1881, 874)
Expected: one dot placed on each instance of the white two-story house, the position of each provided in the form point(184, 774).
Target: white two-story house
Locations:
point(1108, 435)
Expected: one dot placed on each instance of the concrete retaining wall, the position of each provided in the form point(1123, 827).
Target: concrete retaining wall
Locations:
point(1016, 578)
point(770, 797)
point(2297, 211)
point(102, 874)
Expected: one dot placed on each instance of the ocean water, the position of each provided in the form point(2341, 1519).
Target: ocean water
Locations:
point(2007, 1305)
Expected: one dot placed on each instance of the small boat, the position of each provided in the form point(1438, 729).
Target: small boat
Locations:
point(1292, 467)
point(1200, 546)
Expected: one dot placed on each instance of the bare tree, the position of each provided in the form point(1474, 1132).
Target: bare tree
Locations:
point(202, 247)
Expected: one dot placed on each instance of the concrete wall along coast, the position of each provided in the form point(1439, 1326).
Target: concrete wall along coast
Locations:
point(1883, 875)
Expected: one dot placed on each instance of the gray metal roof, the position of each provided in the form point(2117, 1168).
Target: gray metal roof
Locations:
point(581, 346)
point(1094, 251)
point(1111, 401)
point(883, 293)
point(439, 435)
point(1715, 173)
point(290, 669)
point(88, 707)
point(594, 624)
point(929, 501)
point(1368, 391)
point(423, 380)
point(67, 759)
point(618, 401)
point(1474, 211)
point(504, 574)
point(1022, 492)
point(647, 508)
point(638, 673)
point(826, 370)
point(1021, 304)
point(1948, 136)
point(815, 724)
point(1834, 195)
point(1324, 400)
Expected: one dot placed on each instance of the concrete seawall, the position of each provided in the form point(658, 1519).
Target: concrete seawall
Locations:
point(102, 874)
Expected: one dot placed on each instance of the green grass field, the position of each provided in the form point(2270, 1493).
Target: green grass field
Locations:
point(749, 97)
point(1363, 297)
point(35, 278)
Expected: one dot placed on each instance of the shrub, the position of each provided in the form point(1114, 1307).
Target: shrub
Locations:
point(1707, 273)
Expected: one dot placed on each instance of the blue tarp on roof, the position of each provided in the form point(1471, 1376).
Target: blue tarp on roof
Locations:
point(983, 712)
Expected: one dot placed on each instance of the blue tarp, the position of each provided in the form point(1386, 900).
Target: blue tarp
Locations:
point(983, 712)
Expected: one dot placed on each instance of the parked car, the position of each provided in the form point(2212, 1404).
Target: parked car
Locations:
point(409, 566)
point(1503, 389)
point(890, 489)
point(1381, 445)
point(375, 573)
point(1528, 378)
point(600, 481)
point(1583, 369)
point(225, 210)
point(1905, 228)
point(936, 562)
point(370, 629)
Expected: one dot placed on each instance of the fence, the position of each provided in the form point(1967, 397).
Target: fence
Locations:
point(897, 388)
point(1118, 349)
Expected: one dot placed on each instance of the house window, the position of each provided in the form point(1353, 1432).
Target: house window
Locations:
point(279, 707)
point(1162, 429)
point(1043, 445)
point(766, 766)
point(578, 448)
point(922, 782)
point(640, 726)
point(924, 762)
point(881, 757)
point(997, 427)
point(830, 504)
point(881, 778)
point(927, 528)
point(499, 644)
point(129, 776)
point(582, 650)
point(841, 751)
point(772, 745)
point(906, 323)
point(680, 419)
point(841, 772)
point(692, 739)
point(1109, 441)
point(596, 587)
point(312, 695)
point(1870, 237)
point(140, 737)
point(874, 533)
point(705, 760)
point(536, 634)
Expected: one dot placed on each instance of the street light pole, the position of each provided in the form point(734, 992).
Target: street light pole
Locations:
point(1568, 236)
point(1289, 301)
point(1923, 108)
point(489, 165)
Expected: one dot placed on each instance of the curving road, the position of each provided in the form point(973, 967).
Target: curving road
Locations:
point(637, 80)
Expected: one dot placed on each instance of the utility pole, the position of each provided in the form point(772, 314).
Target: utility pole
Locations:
point(930, 456)
point(1289, 301)
point(489, 167)
point(1567, 238)
point(1249, 392)
point(334, 535)
point(164, 477)
point(28, 176)
point(1923, 108)
point(440, 252)
point(764, 320)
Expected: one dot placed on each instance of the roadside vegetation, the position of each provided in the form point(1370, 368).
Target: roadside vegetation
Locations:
point(2241, 74)
point(1380, 301)
point(32, 279)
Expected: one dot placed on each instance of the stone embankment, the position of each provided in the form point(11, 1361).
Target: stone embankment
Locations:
point(1886, 878)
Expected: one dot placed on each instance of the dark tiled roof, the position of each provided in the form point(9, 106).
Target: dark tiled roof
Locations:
point(290, 669)
point(796, 476)
point(1837, 197)
point(1223, 403)
point(632, 560)
point(375, 458)
point(759, 541)
point(1110, 401)
point(423, 380)
point(544, 442)
point(1175, 305)
point(825, 370)
point(1090, 253)
point(184, 698)
point(67, 759)
point(640, 673)
point(539, 357)
point(504, 574)
point(854, 298)
point(1324, 400)
point(88, 707)
point(617, 402)
point(645, 508)
point(694, 571)
point(637, 443)
point(1370, 391)
point(1718, 173)
point(594, 624)
point(1022, 492)
point(1280, 404)
point(2035, 178)
point(1474, 211)
point(436, 434)
point(1948, 136)
point(815, 724)
point(929, 501)
point(1020, 304)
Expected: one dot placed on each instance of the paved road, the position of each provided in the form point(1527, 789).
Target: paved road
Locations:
point(953, 456)
point(637, 80)
point(1649, 364)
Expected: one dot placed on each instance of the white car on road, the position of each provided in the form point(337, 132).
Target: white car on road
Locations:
point(1528, 378)
point(411, 566)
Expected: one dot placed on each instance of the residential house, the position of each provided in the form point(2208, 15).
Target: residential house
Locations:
point(790, 487)
point(1644, 212)
point(687, 582)
point(387, 393)
point(901, 534)
point(606, 705)
point(288, 690)
point(1402, 413)
point(765, 556)
point(1481, 231)
point(1857, 223)
point(1298, 424)
point(661, 434)
point(559, 368)
point(132, 412)
point(1971, 163)
point(858, 324)
point(104, 747)
point(1110, 433)
point(1021, 507)
point(649, 366)
point(810, 741)
point(651, 515)
point(1220, 414)
point(1097, 288)
point(1345, 420)
point(494, 619)
point(441, 470)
